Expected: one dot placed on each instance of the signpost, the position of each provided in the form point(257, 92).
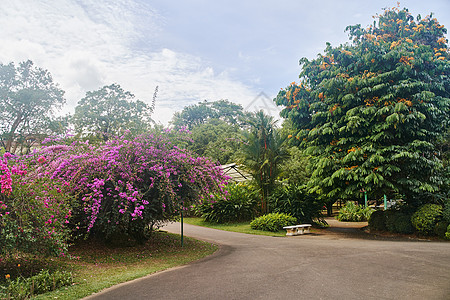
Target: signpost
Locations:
point(181, 226)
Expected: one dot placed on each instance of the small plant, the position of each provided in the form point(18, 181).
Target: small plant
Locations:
point(425, 219)
point(24, 288)
point(273, 222)
point(352, 212)
point(377, 220)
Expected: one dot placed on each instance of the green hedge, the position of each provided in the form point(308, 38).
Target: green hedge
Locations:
point(426, 218)
point(273, 222)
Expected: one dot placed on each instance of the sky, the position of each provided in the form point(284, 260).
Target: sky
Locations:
point(192, 50)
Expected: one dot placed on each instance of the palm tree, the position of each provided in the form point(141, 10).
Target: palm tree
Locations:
point(262, 153)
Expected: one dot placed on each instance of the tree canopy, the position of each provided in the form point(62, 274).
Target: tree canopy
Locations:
point(29, 98)
point(110, 111)
point(200, 113)
point(370, 111)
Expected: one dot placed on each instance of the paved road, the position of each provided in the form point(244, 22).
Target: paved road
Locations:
point(301, 267)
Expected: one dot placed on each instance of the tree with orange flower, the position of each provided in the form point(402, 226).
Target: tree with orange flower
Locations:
point(370, 112)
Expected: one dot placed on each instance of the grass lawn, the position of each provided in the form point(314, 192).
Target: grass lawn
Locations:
point(95, 266)
point(242, 227)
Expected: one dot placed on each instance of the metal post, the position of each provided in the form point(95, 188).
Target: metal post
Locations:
point(385, 202)
point(365, 198)
point(182, 227)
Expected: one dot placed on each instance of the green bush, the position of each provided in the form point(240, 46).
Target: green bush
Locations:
point(446, 212)
point(377, 220)
point(240, 205)
point(295, 201)
point(24, 288)
point(273, 222)
point(352, 212)
point(425, 219)
point(441, 228)
point(402, 223)
point(390, 216)
point(447, 234)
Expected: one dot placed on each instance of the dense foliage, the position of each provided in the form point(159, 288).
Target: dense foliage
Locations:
point(26, 288)
point(202, 112)
point(370, 112)
point(273, 222)
point(34, 210)
point(29, 98)
point(262, 153)
point(110, 111)
point(425, 219)
point(294, 200)
point(240, 204)
point(126, 185)
point(352, 212)
point(216, 139)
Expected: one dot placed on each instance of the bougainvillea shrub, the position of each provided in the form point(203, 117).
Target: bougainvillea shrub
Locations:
point(34, 209)
point(128, 185)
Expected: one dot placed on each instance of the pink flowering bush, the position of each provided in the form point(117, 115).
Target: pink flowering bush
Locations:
point(128, 185)
point(34, 209)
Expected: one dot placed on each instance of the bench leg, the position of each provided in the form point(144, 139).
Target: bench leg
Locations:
point(301, 231)
point(291, 231)
point(307, 230)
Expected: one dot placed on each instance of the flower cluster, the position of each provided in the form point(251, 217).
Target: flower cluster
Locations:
point(131, 181)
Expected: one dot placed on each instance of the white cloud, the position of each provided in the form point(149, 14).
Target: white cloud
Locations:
point(88, 44)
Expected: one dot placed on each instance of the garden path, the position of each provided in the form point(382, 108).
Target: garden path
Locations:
point(314, 266)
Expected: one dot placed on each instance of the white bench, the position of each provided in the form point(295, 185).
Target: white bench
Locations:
point(297, 229)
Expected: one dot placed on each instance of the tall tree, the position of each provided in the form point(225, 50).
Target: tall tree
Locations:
point(200, 113)
point(370, 112)
point(262, 153)
point(216, 139)
point(29, 98)
point(110, 111)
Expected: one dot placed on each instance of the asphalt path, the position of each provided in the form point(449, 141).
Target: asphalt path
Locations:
point(314, 266)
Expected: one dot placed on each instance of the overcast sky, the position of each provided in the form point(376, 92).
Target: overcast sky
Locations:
point(194, 50)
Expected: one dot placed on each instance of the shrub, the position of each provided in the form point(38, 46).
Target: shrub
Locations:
point(127, 185)
point(34, 209)
point(24, 288)
point(390, 216)
point(295, 201)
point(352, 212)
point(425, 219)
point(446, 212)
point(447, 234)
point(239, 205)
point(402, 223)
point(273, 222)
point(441, 228)
point(377, 220)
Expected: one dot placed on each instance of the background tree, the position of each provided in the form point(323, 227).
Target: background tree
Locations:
point(29, 98)
point(262, 152)
point(216, 139)
point(110, 111)
point(200, 113)
point(370, 112)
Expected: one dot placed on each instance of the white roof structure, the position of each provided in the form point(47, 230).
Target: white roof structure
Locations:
point(236, 172)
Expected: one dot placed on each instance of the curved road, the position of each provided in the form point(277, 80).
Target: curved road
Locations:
point(311, 266)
